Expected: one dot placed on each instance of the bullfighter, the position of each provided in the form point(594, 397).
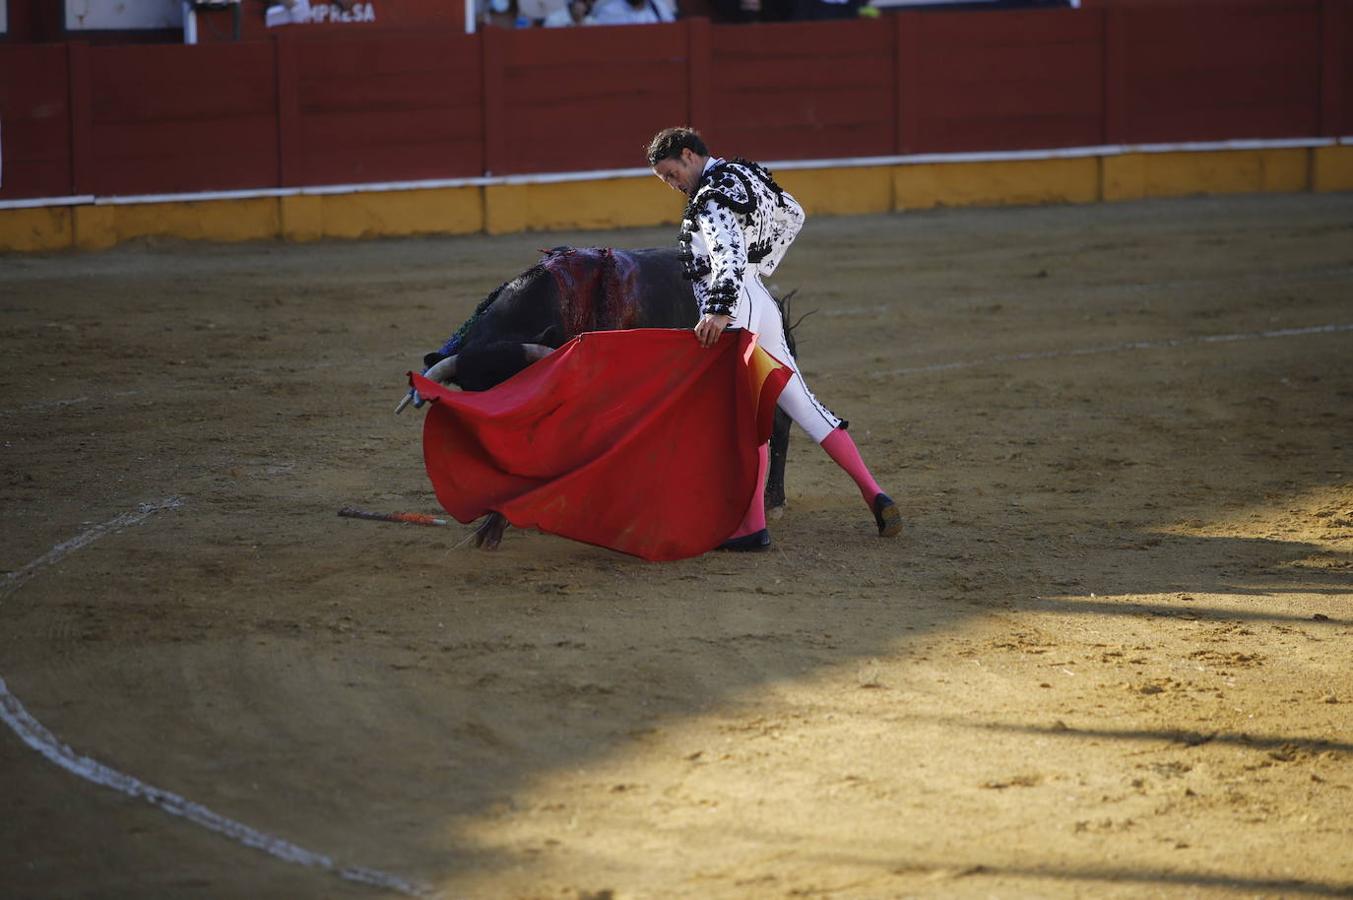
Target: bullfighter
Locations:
point(736, 229)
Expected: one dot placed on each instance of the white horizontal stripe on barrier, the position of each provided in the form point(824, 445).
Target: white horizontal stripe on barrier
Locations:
point(605, 174)
point(1251, 144)
point(33, 202)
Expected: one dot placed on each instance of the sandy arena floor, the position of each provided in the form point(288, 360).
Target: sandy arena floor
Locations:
point(1112, 655)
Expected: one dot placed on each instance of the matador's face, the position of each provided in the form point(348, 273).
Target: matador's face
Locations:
point(681, 173)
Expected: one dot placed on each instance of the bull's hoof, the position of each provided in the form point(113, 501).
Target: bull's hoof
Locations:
point(490, 533)
point(755, 542)
point(887, 516)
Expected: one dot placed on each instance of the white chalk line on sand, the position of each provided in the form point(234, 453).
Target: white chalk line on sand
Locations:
point(35, 735)
point(1117, 348)
point(14, 580)
point(63, 403)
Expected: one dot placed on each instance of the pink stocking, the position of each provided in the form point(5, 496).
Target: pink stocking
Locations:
point(755, 520)
point(841, 448)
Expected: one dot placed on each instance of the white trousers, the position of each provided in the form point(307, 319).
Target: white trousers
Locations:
point(757, 311)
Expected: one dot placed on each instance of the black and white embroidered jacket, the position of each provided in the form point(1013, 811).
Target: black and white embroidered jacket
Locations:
point(738, 217)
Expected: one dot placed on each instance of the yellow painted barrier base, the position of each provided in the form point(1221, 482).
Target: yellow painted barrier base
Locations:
point(840, 192)
point(579, 205)
point(1020, 182)
point(98, 227)
point(635, 202)
point(1136, 176)
point(1332, 169)
point(38, 229)
point(382, 214)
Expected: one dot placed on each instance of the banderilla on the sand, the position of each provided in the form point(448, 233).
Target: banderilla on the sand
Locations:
point(348, 512)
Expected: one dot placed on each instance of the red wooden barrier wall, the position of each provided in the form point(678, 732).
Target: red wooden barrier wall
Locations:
point(568, 100)
point(35, 121)
point(384, 106)
point(1337, 84)
point(802, 91)
point(381, 108)
point(177, 118)
point(1020, 80)
point(1248, 71)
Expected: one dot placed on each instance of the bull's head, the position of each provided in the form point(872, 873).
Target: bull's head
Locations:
point(479, 368)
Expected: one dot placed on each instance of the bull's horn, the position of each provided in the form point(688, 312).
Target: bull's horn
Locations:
point(443, 372)
point(536, 352)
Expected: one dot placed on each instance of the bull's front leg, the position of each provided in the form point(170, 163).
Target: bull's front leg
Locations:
point(489, 534)
point(779, 451)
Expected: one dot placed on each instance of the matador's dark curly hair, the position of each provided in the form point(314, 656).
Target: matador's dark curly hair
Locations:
point(668, 144)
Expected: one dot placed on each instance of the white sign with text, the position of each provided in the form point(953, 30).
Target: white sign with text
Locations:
point(301, 12)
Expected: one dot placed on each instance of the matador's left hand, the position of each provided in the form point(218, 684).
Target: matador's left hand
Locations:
point(710, 327)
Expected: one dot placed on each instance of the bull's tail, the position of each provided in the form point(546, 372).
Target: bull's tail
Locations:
point(786, 304)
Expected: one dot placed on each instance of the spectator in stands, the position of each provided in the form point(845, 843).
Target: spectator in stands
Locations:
point(742, 11)
point(498, 13)
point(737, 11)
point(575, 13)
point(828, 9)
point(631, 12)
point(552, 13)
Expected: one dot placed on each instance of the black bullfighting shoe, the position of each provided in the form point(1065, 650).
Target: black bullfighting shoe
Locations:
point(755, 542)
point(887, 517)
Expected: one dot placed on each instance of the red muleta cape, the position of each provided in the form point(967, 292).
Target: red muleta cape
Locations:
point(641, 440)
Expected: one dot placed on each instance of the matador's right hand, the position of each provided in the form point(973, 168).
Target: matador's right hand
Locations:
point(710, 327)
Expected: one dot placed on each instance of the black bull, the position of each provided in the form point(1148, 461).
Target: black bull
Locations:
point(568, 292)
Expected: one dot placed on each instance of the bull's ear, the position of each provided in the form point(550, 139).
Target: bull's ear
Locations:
point(550, 337)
